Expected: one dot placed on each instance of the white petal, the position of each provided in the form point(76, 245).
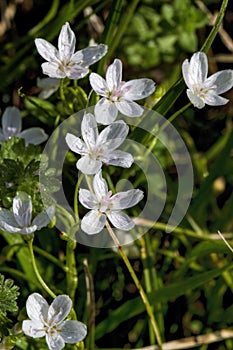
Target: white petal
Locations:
point(212, 99)
point(187, 77)
point(105, 111)
point(7, 217)
point(113, 135)
point(129, 108)
point(28, 230)
point(127, 199)
point(9, 228)
point(11, 122)
point(100, 186)
point(118, 158)
point(47, 50)
point(138, 89)
point(59, 309)
point(98, 84)
point(76, 72)
point(37, 308)
point(87, 199)
point(66, 43)
point(22, 209)
point(33, 329)
point(114, 74)
point(44, 218)
point(93, 222)
point(73, 331)
point(198, 67)
point(89, 130)
point(55, 341)
point(52, 69)
point(34, 136)
point(75, 144)
point(196, 100)
point(221, 81)
point(88, 166)
point(120, 220)
point(91, 54)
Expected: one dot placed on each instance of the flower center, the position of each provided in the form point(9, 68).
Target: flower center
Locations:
point(117, 92)
point(105, 202)
point(201, 90)
point(95, 152)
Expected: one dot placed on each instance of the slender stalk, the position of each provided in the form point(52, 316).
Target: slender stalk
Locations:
point(37, 273)
point(76, 198)
point(148, 284)
point(90, 305)
point(62, 95)
point(153, 140)
point(225, 241)
point(138, 285)
point(208, 42)
point(50, 257)
point(71, 275)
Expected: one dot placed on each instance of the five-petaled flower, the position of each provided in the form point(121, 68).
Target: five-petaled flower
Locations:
point(202, 90)
point(65, 62)
point(104, 205)
point(119, 96)
point(49, 321)
point(19, 220)
point(96, 148)
point(12, 125)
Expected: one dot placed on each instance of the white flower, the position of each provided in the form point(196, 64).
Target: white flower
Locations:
point(119, 96)
point(19, 220)
point(103, 205)
point(12, 125)
point(65, 62)
point(48, 321)
point(96, 148)
point(48, 86)
point(202, 90)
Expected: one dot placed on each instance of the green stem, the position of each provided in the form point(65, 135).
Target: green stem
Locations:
point(40, 279)
point(174, 115)
point(138, 285)
point(109, 31)
point(153, 140)
point(62, 95)
point(208, 42)
point(76, 198)
point(50, 257)
point(147, 278)
point(90, 305)
point(71, 274)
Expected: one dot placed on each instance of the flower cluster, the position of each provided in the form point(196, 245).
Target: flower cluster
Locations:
point(102, 135)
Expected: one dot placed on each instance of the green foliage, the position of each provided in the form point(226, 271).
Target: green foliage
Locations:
point(8, 302)
point(19, 170)
point(158, 34)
